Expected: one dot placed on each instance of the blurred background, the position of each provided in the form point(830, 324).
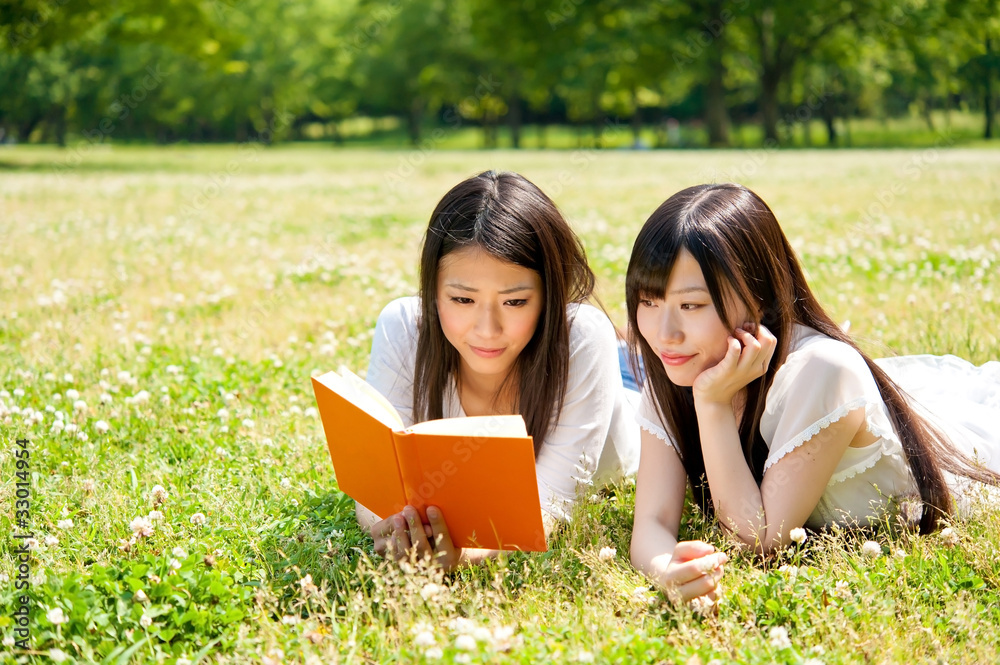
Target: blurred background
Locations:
point(485, 74)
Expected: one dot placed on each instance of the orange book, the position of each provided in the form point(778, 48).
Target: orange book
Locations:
point(480, 471)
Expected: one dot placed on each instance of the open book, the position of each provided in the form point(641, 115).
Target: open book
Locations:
point(480, 471)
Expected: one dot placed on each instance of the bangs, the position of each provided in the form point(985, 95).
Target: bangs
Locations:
point(653, 256)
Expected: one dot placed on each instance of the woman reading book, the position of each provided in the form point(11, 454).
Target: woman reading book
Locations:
point(771, 412)
point(501, 326)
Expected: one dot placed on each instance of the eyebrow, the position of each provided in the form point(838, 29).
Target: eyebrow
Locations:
point(513, 289)
point(687, 289)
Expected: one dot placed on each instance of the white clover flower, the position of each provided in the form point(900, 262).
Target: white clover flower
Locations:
point(8, 641)
point(88, 485)
point(198, 519)
point(173, 369)
point(778, 637)
point(32, 543)
point(145, 621)
point(174, 564)
point(585, 657)
point(70, 394)
point(56, 616)
point(285, 483)
point(222, 414)
point(68, 378)
point(49, 376)
point(79, 405)
point(791, 571)
point(58, 426)
point(159, 494)
point(433, 653)
point(871, 549)
point(154, 515)
point(431, 590)
point(101, 426)
point(482, 634)
point(82, 436)
point(424, 638)
point(183, 661)
point(900, 554)
point(842, 589)
point(797, 535)
point(465, 643)
point(949, 537)
point(51, 541)
point(140, 596)
point(461, 625)
point(224, 429)
point(311, 412)
point(141, 527)
point(58, 655)
point(249, 424)
point(289, 620)
point(64, 524)
point(221, 452)
point(179, 552)
point(607, 554)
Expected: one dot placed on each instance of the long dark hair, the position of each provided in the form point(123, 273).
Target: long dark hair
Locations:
point(742, 251)
point(510, 219)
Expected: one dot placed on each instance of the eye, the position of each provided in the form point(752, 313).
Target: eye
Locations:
point(689, 306)
point(517, 302)
point(646, 302)
point(461, 300)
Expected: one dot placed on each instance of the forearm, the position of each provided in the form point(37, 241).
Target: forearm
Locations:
point(735, 494)
point(366, 518)
point(651, 550)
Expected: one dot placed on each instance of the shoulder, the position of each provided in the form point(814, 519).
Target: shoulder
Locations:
point(588, 327)
point(400, 315)
point(820, 369)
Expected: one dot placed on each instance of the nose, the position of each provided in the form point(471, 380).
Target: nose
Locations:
point(488, 322)
point(670, 330)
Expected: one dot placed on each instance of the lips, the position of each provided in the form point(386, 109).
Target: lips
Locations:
point(674, 359)
point(486, 353)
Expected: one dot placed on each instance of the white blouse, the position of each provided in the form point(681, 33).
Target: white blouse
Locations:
point(595, 440)
point(822, 380)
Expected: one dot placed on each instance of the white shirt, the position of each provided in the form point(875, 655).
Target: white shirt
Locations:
point(595, 439)
point(822, 380)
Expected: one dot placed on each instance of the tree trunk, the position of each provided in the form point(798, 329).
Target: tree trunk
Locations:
point(828, 120)
point(988, 92)
point(541, 135)
point(515, 118)
point(636, 120)
point(715, 96)
point(414, 119)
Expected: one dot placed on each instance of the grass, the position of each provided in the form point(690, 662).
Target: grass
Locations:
point(183, 297)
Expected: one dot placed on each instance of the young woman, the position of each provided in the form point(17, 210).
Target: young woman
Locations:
point(500, 327)
point(767, 407)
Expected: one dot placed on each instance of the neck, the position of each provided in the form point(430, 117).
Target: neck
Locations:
point(479, 393)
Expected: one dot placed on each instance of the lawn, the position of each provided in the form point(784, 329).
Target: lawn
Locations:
point(163, 309)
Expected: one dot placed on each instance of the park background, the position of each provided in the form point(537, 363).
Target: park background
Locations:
point(204, 203)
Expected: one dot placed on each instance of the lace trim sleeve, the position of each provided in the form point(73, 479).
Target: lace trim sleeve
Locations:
point(888, 443)
point(656, 430)
point(813, 430)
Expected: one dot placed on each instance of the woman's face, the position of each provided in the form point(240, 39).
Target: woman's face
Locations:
point(684, 327)
point(488, 309)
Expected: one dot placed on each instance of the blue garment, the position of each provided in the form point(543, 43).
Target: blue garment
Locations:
point(628, 378)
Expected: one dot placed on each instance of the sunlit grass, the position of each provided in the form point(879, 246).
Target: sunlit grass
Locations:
point(183, 296)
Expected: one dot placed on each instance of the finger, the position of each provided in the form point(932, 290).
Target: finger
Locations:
point(691, 549)
point(400, 536)
point(416, 532)
point(701, 586)
point(690, 571)
point(442, 537)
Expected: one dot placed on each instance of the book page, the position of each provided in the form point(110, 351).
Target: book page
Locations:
point(356, 390)
point(478, 426)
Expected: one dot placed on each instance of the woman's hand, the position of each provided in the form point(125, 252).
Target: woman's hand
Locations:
point(746, 360)
point(694, 571)
point(397, 535)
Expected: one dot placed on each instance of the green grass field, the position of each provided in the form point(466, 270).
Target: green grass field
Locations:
point(163, 309)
